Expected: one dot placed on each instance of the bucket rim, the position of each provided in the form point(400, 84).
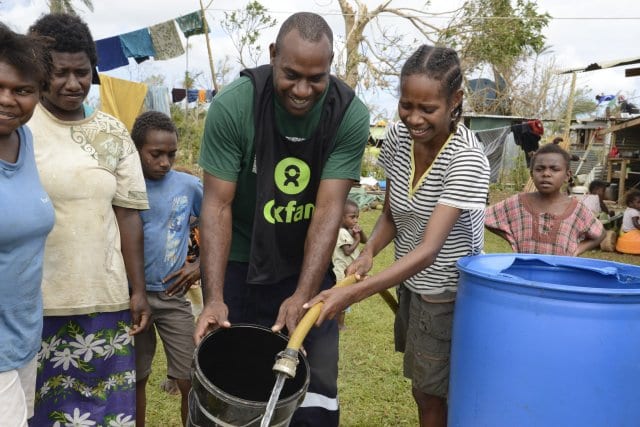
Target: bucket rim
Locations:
point(229, 398)
point(493, 264)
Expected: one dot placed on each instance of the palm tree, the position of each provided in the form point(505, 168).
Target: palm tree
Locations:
point(66, 6)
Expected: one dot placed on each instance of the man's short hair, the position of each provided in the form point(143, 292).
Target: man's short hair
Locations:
point(310, 26)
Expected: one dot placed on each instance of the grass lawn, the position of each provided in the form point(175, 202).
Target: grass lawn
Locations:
point(373, 391)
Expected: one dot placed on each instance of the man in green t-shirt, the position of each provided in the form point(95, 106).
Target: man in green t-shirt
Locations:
point(281, 147)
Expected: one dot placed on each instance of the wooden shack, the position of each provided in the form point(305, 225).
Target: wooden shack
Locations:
point(624, 169)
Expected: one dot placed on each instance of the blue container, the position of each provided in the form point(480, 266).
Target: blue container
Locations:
point(546, 341)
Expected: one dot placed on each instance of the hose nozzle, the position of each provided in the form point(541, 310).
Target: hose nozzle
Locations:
point(286, 362)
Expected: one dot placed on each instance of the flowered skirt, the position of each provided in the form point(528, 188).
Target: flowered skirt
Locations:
point(86, 372)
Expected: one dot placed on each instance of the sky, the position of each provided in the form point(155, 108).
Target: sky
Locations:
point(581, 32)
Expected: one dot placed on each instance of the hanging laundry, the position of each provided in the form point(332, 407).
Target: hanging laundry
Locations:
point(141, 59)
point(122, 98)
point(495, 148)
point(137, 45)
point(192, 24)
point(110, 54)
point(166, 40)
point(536, 127)
point(604, 98)
point(178, 95)
point(526, 139)
point(192, 95)
point(158, 99)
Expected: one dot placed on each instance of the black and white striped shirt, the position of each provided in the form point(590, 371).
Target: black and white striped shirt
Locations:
point(458, 177)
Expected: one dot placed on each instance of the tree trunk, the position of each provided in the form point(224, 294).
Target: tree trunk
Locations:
point(350, 76)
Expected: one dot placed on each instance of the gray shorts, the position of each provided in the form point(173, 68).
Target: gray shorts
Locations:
point(173, 319)
point(423, 332)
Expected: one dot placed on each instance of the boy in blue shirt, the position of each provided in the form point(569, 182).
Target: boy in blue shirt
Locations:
point(174, 198)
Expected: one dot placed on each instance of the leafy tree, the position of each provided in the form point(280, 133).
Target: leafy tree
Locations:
point(190, 126)
point(500, 35)
point(486, 33)
point(66, 6)
point(583, 102)
point(373, 59)
point(244, 27)
point(496, 32)
point(497, 39)
point(224, 73)
point(537, 90)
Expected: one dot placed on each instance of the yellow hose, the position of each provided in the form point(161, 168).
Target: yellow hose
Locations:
point(307, 321)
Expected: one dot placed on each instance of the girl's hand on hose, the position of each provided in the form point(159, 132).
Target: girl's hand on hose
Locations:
point(334, 300)
point(360, 266)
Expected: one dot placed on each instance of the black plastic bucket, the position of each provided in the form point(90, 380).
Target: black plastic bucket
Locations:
point(232, 379)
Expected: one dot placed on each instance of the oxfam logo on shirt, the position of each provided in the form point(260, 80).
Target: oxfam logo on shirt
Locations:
point(291, 175)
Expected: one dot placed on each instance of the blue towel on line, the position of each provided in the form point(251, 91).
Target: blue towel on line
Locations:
point(192, 95)
point(137, 44)
point(110, 54)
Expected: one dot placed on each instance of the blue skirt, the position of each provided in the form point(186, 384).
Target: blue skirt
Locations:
point(86, 371)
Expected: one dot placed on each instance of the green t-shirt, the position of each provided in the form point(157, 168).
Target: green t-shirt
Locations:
point(227, 150)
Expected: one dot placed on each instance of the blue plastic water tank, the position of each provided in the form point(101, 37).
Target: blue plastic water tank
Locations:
point(546, 341)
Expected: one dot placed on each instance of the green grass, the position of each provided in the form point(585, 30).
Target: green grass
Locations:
point(372, 388)
point(373, 391)
point(163, 409)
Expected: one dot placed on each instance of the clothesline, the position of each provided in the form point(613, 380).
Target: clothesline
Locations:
point(160, 41)
point(493, 129)
point(497, 129)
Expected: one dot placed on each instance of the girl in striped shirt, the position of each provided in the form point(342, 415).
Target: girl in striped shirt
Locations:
point(437, 183)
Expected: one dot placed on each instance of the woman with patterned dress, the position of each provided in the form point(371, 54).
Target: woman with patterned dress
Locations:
point(93, 276)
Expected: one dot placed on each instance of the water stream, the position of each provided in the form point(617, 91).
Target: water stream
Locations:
point(275, 395)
